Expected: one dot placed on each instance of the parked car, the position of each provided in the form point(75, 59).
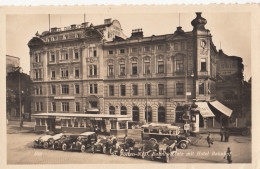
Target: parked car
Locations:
point(104, 144)
point(181, 141)
point(47, 140)
point(84, 141)
point(65, 142)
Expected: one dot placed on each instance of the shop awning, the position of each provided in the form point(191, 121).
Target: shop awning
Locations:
point(222, 108)
point(204, 109)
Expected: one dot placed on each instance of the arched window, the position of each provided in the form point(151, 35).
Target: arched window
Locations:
point(161, 115)
point(149, 113)
point(123, 110)
point(111, 110)
point(178, 114)
point(135, 113)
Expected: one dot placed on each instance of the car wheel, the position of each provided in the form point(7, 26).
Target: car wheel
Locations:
point(183, 145)
point(45, 145)
point(83, 148)
point(104, 150)
point(152, 156)
point(167, 158)
point(64, 147)
point(143, 155)
point(93, 149)
point(110, 151)
point(153, 140)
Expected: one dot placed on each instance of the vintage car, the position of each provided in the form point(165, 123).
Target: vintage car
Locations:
point(84, 141)
point(181, 141)
point(64, 142)
point(162, 131)
point(47, 140)
point(159, 151)
point(104, 144)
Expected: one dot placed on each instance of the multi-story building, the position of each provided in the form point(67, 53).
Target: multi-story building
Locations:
point(230, 85)
point(96, 69)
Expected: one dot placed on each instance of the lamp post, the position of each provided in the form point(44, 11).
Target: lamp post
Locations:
point(19, 69)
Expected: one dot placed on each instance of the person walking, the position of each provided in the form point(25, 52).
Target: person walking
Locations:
point(222, 133)
point(228, 155)
point(209, 140)
point(226, 134)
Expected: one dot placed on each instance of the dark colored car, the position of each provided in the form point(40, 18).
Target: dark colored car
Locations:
point(104, 144)
point(84, 141)
point(181, 141)
point(46, 141)
point(65, 141)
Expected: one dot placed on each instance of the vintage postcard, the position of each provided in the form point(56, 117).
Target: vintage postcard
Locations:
point(147, 86)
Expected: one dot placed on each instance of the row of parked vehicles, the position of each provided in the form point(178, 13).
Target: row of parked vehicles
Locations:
point(163, 149)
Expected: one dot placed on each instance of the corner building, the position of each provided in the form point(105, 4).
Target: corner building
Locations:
point(97, 69)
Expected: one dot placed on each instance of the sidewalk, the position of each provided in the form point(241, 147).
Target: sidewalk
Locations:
point(209, 130)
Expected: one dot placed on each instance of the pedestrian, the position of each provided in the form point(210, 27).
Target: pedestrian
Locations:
point(226, 134)
point(209, 140)
point(228, 155)
point(222, 133)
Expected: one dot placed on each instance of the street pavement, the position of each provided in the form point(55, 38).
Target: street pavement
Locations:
point(20, 151)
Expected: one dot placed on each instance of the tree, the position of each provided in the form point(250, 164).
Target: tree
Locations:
point(12, 91)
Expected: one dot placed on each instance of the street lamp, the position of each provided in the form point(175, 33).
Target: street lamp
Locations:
point(19, 70)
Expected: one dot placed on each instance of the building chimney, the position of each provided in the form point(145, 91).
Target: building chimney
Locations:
point(85, 24)
point(108, 21)
point(54, 29)
point(137, 33)
point(73, 26)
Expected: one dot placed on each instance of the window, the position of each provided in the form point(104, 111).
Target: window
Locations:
point(65, 89)
point(160, 67)
point(38, 90)
point(95, 53)
point(148, 112)
point(93, 70)
point(176, 46)
point(76, 73)
point(53, 89)
point(178, 114)
point(38, 106)
point(65, 106)
point(76, 55)
point(134, 90)
point(135, 113)
point(123, 110)
point(203, 65)
point(93, 104)
point(122, 69)
point(122, 51)
point(122, 89)
point(76, 89)
point(179, 89)
point(134, 50)
point(147, 48)
point(111, 110)
point(53, 74)
point(93, 88)
point(53, 106)
point(64, 56)
point(134, 68)
point(147, 68)
point(201, 88)
point(161, 115)
point(37, 74)
point(160, 47)
point(52, 57)
point(111, 90)
point(64, 73)
point(110, 70)
point(110, 52)
point(179, 65)
point(77, 107)
point(37, 58)
point(148, 89)
point(161, 89)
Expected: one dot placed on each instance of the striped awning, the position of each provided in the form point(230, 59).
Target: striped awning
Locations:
point(204, 109)
point(222, 108)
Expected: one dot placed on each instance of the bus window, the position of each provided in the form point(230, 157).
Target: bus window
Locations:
point(146, 130)
point(154, 131)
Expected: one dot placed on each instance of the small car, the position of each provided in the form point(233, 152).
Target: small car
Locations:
point(126, 146)
point(47, 140)
point(65, 142)
point(84, 141)
point(104, 144)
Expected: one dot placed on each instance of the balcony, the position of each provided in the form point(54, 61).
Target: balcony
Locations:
point(38, 64)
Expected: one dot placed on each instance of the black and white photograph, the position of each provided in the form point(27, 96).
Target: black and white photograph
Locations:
point(128, 85)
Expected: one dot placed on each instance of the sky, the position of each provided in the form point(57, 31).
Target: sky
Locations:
point(231, 29)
